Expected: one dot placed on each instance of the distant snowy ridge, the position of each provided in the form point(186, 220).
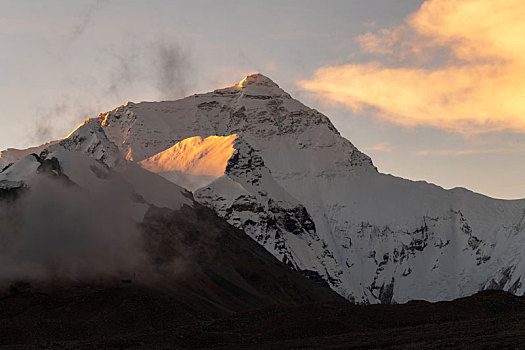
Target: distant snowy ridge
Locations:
point(11, 155)
point(87, 158)
point(284, 174)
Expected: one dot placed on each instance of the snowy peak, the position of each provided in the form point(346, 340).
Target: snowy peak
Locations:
point(12, 155)
point(255, 86)
point(257, 79)
point(257, 110)
point(91, 139)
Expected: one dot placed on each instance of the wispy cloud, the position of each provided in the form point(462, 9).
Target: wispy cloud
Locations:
point(380, 147)
point(457, 65)
point(173, 69)
point(463, 152)
point(85, 20)
point(56, 121)
point(164, 63)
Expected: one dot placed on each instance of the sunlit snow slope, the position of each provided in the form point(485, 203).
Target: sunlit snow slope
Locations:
point(193, 162)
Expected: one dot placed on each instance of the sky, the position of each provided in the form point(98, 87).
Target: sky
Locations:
point(431, 90)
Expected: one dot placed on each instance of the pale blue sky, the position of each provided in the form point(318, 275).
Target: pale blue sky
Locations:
point(64, 61)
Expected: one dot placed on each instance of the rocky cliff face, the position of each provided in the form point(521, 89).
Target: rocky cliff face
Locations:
point(313, 200)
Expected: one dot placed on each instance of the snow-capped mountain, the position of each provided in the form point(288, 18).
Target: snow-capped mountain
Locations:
point(282, 172)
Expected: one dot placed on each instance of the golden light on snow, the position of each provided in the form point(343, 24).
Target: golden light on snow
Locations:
point(240, 84)
point(104, 119)
point(478, 86)
point(128, 155)
point(82, 124)
point(247, 78)
point(195, 156)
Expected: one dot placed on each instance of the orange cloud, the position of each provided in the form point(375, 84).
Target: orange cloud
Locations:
point(463, 152)
point(380, 147)
point(479, 87)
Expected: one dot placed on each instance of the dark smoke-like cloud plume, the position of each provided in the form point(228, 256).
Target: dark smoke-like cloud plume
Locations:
point(58, 230)
point(172, 70)
point(85, 20)
point(164, 64)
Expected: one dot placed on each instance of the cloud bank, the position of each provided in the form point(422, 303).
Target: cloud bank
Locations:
point(458, 65)
point(58, 231)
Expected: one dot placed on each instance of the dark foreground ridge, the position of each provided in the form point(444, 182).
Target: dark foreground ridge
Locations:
point(117, 315)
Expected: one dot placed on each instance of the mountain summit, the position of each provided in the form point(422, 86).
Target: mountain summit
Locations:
point(257, 79)
point(282, 173)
